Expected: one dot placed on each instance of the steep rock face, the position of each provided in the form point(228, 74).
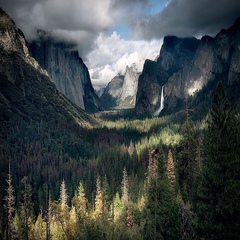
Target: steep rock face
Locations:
point(27, 94)
point(67, 70)
point(149, 88)
point(130, 85)
point(112, 93)
point(121, 90)
point(186, 66)
point(175, 53)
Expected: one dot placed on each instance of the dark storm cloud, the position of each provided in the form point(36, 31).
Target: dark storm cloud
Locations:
point(80, 21)
point(187, 18)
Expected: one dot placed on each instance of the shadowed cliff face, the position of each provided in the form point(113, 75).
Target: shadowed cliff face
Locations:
point(67, 70)
point(185, 66)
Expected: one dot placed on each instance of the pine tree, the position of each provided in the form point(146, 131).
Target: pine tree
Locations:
point(63, 194)
point(171, 170)
point(26, 209)
point(80, 202)
point(117, 207)
point(61, 214)
point(98, 198)
point(161, 211)
point(218, 205)
point(124, 188)
point(9, 206)
point(187, 159)
point(48, 215)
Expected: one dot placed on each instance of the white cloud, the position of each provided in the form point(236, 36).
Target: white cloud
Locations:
point(111, 54)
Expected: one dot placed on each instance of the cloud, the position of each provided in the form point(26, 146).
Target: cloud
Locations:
point(90, 24)
point(84, 22)
point(111, 54)
point(186, 18)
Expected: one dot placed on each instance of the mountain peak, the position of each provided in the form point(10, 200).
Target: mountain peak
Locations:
point(11, 38)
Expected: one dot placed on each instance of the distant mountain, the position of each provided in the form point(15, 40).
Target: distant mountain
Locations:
point(99, 92)
point(67, 70)
point(27, 94)
point(121, 91)
point(188, 66)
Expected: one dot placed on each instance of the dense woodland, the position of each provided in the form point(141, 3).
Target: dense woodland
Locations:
point(172, 177)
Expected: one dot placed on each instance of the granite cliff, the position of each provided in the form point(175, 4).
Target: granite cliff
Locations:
point(121, 90)
point(67, 69)
point(187, 65)
point(27, 94)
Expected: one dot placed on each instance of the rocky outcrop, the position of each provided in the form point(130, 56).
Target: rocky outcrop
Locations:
point(66, 68)
point(185, 66)
point(121, 91)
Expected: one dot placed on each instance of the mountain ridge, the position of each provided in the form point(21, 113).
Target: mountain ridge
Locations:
point(185, 73)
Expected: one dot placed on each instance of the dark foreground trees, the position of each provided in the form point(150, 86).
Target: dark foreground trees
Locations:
point(218, 205)
point(190, 192)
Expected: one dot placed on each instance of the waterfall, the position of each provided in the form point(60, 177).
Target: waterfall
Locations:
point(162, 100)
point(157, 112)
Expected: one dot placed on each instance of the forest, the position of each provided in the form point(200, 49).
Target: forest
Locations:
point(171, 177)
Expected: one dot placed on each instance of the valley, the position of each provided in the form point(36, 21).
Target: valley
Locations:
point(165, 167)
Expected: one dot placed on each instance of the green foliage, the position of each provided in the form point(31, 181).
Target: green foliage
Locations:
point(218, 209)
point(161, 210)
point(47, 147)
point(187, 165)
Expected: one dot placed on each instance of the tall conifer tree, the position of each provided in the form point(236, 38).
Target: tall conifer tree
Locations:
point(218, 206)
point(9, 206)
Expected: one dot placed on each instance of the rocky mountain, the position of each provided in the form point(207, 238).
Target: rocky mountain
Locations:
point(121, 91)
point(67, 69)
point(27, 94)
point(185, 66)
point(112, 93)
point(100, 91)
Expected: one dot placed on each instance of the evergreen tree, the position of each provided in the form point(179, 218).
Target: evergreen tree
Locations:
point(10, 205)
point(124, 188)
point(187, 159)
point(26, 209)
point(171, 170)
point(98, 210)
point(218, 205)
point(63, 194)
point(48, 215)
point(117, 207)
point(161, 211)
point(61, 215)
point(80, 201)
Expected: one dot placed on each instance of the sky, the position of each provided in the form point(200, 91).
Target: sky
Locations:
point(111, 34)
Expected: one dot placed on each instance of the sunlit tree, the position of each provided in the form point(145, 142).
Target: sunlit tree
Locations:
point(10, 205)
point(26, 209)
point(98, 198)
point(63, 195)
point(125, 188)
